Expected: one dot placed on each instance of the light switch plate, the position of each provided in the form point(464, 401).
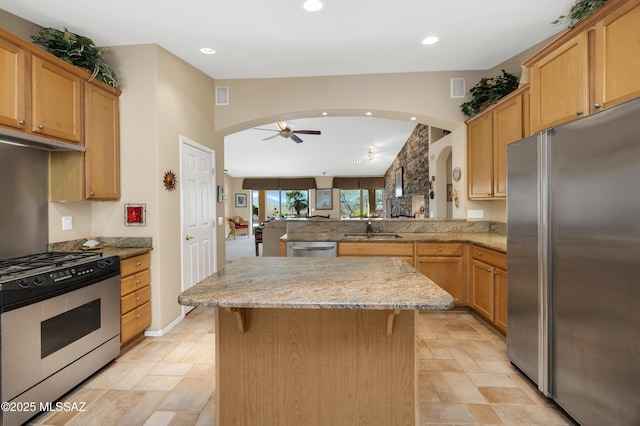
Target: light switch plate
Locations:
point(220, 220)
point(67, 223)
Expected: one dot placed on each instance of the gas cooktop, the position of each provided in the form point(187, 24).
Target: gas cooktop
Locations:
point(18, 267)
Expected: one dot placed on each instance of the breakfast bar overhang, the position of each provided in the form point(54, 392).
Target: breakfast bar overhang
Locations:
point(316, 341)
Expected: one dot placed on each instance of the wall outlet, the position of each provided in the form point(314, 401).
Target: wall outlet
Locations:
point(67, 223)
point(475, 214)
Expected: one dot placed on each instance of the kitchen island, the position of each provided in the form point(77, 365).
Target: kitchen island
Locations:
point(316, 341)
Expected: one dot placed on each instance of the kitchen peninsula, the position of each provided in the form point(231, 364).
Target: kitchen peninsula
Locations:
point(316, 341)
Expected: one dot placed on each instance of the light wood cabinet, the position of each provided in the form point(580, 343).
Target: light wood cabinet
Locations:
point(489, 285)
point(595, 65)
point(444, 264)
point(95, 173)
point(13, 63)
point(617, 61)
point(135, 297)
point(488, 135)
point(56, 101)
point(403, 250)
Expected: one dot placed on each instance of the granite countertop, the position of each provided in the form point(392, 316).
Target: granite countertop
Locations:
point(124, 247)
point(485, 239)
point(318, 283)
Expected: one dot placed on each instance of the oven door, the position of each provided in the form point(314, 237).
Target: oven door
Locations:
point(42, 338)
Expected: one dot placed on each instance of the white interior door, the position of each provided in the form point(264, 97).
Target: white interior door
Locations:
point(197, 188)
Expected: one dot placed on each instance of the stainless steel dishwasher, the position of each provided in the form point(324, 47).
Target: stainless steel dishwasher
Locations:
point(312, 249)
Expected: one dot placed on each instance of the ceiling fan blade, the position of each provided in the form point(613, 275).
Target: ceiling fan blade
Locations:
point(307, 132)
point(296, 139)
point(271, 137)
point(268, 130)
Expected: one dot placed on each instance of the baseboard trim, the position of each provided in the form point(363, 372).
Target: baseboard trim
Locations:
point(159, 333)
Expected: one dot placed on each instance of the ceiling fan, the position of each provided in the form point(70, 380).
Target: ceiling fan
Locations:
point(286, 130)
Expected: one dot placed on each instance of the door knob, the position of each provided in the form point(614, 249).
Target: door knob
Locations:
point(188, 237)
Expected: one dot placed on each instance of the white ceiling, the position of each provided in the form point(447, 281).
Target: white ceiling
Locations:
point(277, 38)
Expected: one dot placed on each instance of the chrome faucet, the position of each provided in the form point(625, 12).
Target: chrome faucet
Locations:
point(369, 228)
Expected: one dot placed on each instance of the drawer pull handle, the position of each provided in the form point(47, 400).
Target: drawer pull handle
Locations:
point(488, 270)
point(40, 126)
point(138, 282)
point(138, 316)
point(22, 122)
point(138, 264)
point(439, 248)
point(579, 113)
point(597, 106)
point(138, 299)
point(479, 254)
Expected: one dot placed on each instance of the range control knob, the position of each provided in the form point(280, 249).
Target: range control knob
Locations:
point(38, 280)
point(23, 284)
point(108, 261)
point(101, 264)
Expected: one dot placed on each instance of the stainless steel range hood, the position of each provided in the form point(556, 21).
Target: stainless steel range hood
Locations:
point(15, 138)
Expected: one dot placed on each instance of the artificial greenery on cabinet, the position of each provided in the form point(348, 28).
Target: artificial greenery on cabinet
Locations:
point(579, 10)
point(77, 50)
point(488, 91)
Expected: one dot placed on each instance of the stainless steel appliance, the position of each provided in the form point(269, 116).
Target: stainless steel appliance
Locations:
point(312, 249)
point(59, 323)
point(573, 246)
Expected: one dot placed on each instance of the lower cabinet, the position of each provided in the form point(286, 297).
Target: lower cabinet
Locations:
point(444, 264)
point(489, 285)
point(135, 297)
point(403, 250)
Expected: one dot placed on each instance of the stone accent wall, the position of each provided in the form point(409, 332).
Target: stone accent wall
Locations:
point(414, 160)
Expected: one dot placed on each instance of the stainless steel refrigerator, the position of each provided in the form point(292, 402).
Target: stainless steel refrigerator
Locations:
point(573, 250)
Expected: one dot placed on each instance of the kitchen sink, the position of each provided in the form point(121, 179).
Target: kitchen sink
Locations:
point(372, 236)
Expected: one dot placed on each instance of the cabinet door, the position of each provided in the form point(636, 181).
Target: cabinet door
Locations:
point(507, 127)
point(12, 85)
point(560, 84)
point(102, 143)
point(480, 156)
point(446, 272)
point(618, 56)
point(482, 289)
point(56, 102)
point(500, 282)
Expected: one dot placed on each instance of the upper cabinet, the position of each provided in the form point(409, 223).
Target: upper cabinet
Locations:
point(592, 66)
point(488, 134)
point(43, 95)
point(12, 85)
point(95, 173)
point(56, 101)
point(617, 62)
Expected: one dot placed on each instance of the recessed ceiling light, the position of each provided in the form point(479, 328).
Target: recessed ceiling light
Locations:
point(325, 113)
point(430, 40)
point(413, 118)
point(208, 51)
point(312, 5)
point(368, 113)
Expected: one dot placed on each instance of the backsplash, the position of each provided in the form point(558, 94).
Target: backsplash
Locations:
point(397, 226)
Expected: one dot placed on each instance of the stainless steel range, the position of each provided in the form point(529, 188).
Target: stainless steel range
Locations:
point(59, 323)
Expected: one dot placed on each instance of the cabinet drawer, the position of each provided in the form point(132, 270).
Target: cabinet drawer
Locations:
point(135, 264)
point(135, 299)
point(134, 282)
point(375, 249)
point(439, 249)
point(134, 322)
point(489, 256)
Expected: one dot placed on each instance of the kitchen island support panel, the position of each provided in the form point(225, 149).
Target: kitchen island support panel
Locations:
point(316, 367)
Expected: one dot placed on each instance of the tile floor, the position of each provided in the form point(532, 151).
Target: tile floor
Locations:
point(464, 378)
